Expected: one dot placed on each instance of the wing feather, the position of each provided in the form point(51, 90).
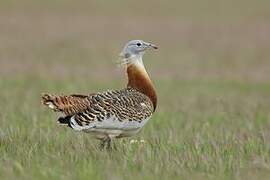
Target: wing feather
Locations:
point(123, 105)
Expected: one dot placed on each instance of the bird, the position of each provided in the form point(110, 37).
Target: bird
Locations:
point(113, 113)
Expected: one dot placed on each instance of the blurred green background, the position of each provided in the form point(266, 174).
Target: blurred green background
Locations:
point(211, 72)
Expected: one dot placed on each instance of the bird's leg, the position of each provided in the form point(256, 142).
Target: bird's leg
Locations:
point(109, 143)
point(102, 144)
point(106, 142)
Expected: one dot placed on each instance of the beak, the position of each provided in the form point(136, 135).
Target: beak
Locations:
point(152, 46)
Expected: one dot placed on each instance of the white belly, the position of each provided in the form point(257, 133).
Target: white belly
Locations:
point(113, 128)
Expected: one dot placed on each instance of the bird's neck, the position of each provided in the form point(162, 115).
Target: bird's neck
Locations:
point(139, 79)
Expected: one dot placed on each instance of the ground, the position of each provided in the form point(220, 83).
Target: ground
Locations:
point(211, 72)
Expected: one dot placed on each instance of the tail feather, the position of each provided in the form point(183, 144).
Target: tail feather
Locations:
point(64, 121)
point(69, 105)
point(50, 101)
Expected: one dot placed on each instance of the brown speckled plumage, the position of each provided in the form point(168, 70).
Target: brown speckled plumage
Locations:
point(127, 105)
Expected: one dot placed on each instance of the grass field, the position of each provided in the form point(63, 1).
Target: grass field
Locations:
point(212, 74)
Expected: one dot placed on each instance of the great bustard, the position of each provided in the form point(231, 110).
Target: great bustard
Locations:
point(113, 113)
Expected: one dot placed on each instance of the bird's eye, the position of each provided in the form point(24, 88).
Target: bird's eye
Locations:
point(139, 44)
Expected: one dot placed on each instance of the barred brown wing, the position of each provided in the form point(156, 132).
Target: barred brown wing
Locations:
point(123, 105)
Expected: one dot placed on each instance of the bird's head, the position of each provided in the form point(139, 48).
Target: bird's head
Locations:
point(134, 50)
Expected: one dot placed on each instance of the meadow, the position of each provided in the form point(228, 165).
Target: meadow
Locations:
point(211, 72)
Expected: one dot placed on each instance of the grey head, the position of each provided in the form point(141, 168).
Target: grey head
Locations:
point(136, 49)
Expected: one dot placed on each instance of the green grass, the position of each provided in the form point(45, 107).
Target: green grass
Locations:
point(207, 131)
point(211, 74)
